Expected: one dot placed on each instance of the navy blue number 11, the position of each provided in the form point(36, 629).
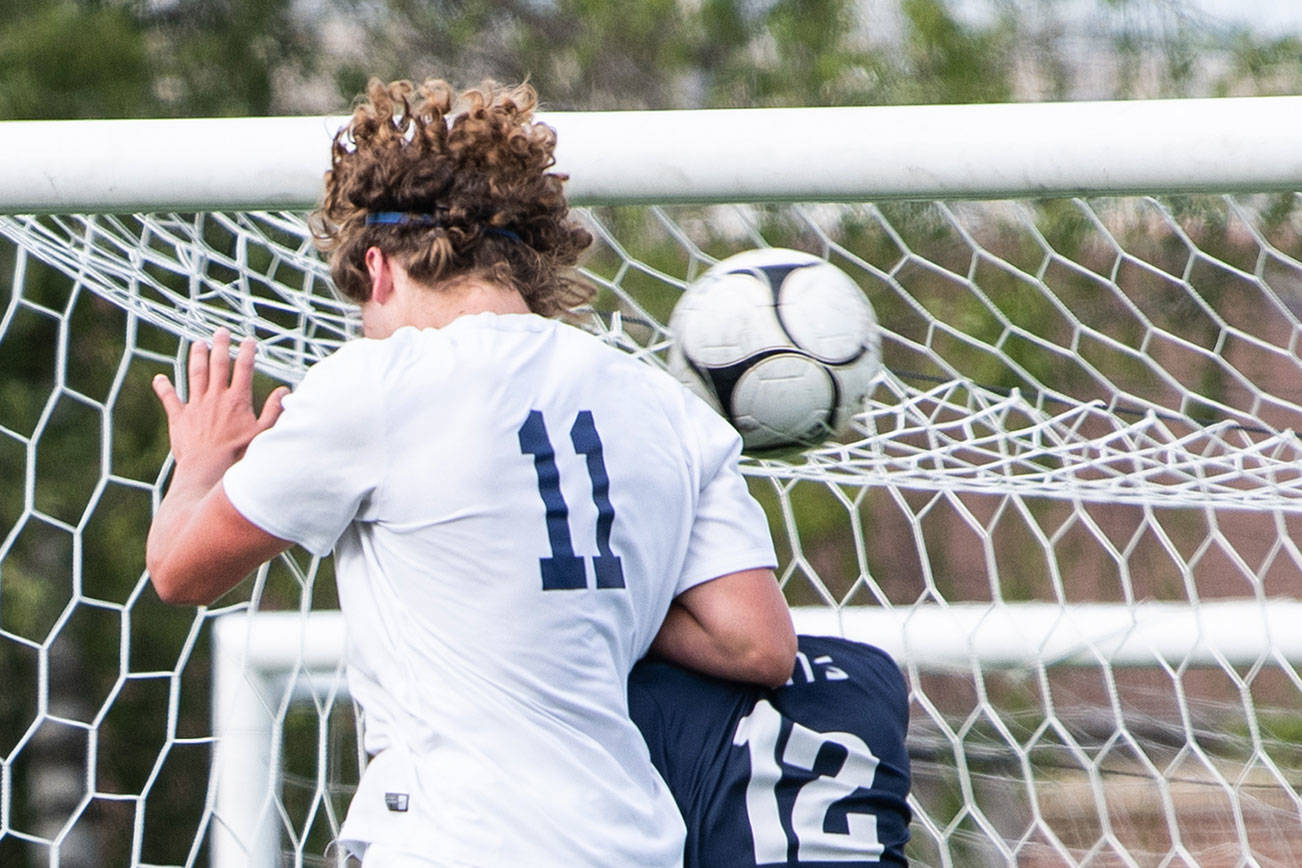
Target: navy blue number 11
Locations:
point(564, 570)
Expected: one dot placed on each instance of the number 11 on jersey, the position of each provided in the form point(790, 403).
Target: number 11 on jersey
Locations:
point(564, 570)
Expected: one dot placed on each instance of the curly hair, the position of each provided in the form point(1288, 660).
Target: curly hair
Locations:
point(464, 195)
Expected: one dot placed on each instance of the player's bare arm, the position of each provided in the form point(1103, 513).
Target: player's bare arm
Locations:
point(199, 546)
point(736, 627)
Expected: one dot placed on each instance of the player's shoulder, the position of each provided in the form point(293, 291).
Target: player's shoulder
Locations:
point(573, 338)
point(348, 354)
point(378, 359)
point(834, 659)
point(671, 704)
point(840, 684)
point(636, 374)
point(345, 375)
point(685, 692)
point(567, 341)
point(363, 354)
point(658, 678)
point(490, 325)
point(839, 646)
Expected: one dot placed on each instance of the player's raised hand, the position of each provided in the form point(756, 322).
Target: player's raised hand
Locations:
point(210, 431)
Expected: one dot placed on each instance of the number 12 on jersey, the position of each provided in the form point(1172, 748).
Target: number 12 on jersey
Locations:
point(815, 799)
point(564, 570)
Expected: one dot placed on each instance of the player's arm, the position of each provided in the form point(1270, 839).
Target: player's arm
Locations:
point(199, 545)
point(736, 627)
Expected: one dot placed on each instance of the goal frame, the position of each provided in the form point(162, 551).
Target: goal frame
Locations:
point(872, 153)
point(262, 658)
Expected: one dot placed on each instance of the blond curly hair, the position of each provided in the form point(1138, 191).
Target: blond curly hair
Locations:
point(450, 196)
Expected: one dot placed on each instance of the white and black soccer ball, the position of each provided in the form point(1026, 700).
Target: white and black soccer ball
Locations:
point(784, 344)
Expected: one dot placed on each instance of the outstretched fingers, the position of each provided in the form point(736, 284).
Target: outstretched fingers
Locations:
point(271, 410)
point(197, 371)
point(166, 393)
point(210, 373)
point(210, 430)
point(242, 378)
point(242, 386)
point(219, 362)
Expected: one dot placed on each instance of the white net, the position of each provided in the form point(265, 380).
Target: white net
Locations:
point(1069, 509)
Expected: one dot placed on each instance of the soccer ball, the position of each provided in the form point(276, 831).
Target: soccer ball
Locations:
point(784, 344)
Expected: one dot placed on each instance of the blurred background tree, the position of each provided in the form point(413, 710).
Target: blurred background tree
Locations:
point(117, 58)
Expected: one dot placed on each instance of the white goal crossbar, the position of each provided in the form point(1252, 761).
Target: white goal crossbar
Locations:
point(872, 153)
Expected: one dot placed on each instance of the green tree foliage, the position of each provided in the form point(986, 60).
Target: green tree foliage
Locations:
point(64, 59)
point(946, 61)
point(590, 54)
point(229, 57)
point(1262, 66)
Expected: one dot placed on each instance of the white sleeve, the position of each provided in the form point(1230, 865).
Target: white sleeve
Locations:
point(310, 474)
point(730, 531)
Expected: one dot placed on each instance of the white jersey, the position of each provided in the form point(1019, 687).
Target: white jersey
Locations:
point(512, 505)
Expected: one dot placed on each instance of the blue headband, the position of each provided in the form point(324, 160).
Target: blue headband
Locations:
point(504, 233)
point(399, 218)
point(404, 218)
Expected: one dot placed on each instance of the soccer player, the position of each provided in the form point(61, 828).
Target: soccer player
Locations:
point(518, 512)
point(812, 774)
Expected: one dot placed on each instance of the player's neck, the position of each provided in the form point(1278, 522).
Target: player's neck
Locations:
point(413, 304)
point(436, 307)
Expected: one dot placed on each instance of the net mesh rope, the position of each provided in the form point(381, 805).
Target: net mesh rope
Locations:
point(1087, 412)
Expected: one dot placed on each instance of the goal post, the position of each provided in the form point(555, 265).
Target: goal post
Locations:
point(872, 153)
point(1069, 508)
point(264, 660)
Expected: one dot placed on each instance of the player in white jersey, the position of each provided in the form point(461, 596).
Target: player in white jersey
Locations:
point(518, 512)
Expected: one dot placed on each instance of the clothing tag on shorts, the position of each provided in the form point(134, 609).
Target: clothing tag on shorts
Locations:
point(396, 801)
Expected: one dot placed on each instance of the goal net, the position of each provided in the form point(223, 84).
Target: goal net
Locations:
point(1069, 508)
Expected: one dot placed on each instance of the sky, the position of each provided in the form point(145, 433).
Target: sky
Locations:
point(1266, 16)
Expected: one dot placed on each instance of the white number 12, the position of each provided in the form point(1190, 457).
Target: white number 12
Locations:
point(759, 731)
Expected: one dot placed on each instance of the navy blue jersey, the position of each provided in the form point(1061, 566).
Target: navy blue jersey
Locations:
point(812, 774)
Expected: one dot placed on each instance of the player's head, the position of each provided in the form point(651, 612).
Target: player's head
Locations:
point(451, 186)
